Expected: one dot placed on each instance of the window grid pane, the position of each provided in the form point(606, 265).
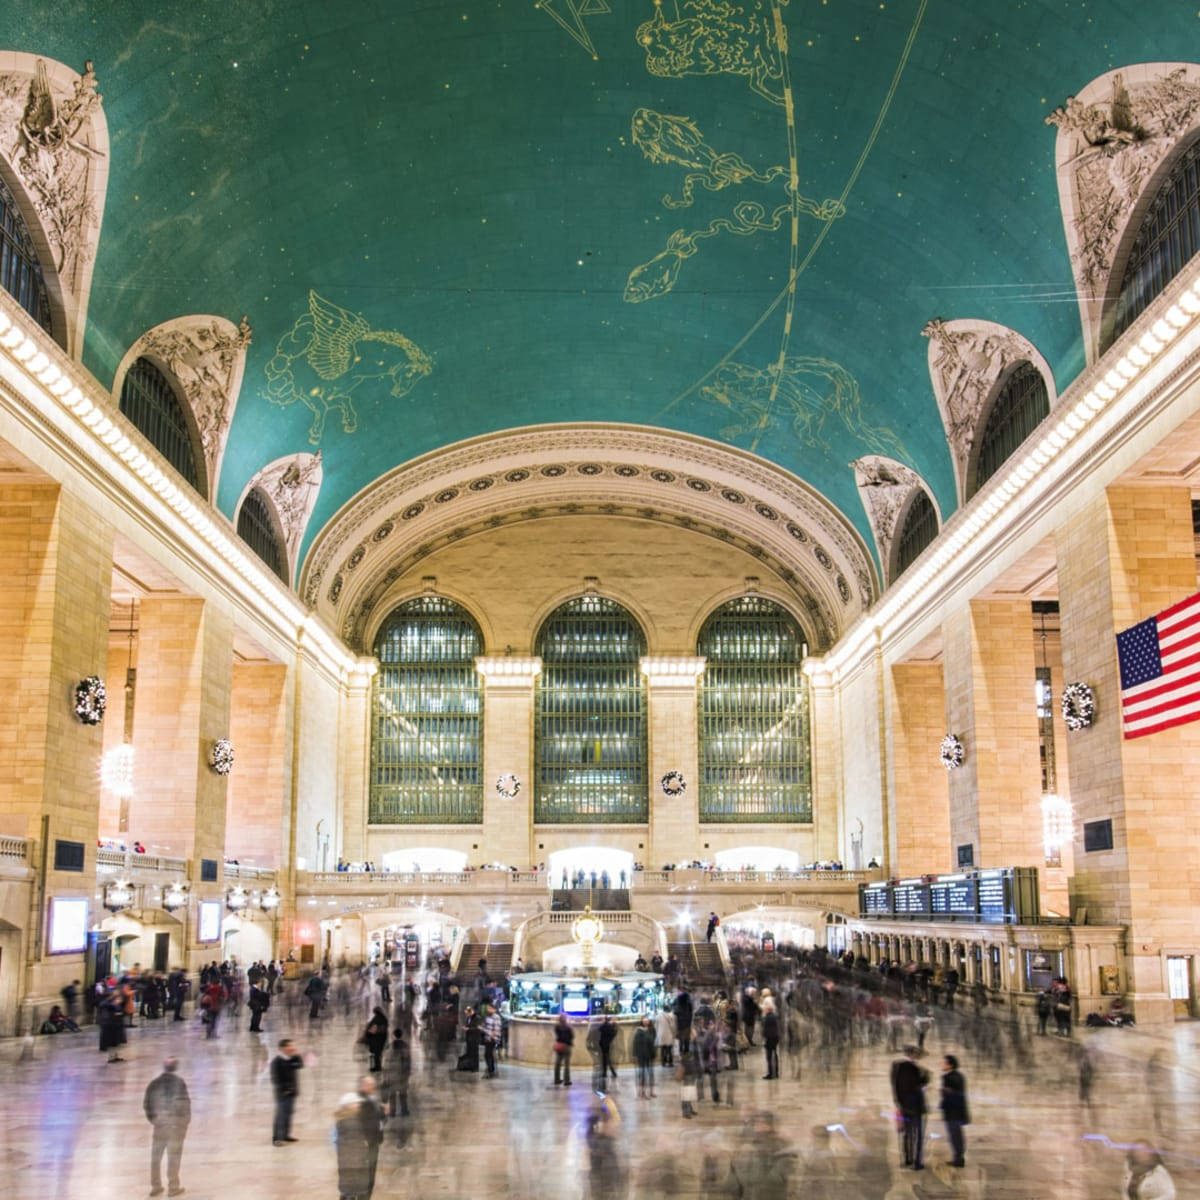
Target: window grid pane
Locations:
point(1019, 410)
point(149, 401)
point(920, 528)
point(427, 717)
point(590, 736)
point(1167, 238)
point(20, 272)
point(755, 761)
point(257, 530)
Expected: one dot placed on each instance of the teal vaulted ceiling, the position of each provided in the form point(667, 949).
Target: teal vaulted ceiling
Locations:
point(460, 217)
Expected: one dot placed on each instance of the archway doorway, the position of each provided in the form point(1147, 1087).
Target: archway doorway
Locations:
point(426, 859)
point(757, 858)
point(617, 863)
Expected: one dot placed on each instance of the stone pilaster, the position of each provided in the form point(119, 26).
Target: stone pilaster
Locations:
point(258, 793)
point(55, 593)
point(1123, 557)
point(826, 773)
point(920, 784)
point(989, 673)
point(508, 705)
point(185, 666)
point(671, 695)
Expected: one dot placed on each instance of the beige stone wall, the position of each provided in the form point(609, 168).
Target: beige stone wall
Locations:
point(675, 829)
point(328, 756)
point(862, 747)
point(185, 672)
point(507, 749)
point(1125, 557)
point(254, 819)
point(995, 797)
point(920, 795)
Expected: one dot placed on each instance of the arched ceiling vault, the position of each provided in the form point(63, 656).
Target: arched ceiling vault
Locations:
point(799, 539)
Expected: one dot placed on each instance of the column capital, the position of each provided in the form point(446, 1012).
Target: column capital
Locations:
point(674, 671)
point(509, 670)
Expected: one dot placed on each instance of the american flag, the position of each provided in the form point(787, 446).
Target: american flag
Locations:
point(1160, 670)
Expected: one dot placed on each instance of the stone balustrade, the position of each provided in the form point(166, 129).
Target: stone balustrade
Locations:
point(110, 862)
point(14, 849)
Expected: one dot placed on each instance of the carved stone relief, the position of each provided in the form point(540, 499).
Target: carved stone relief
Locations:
point(292, 484)
point(1112, 137)
point(207, 356)
point(885, 486)
point(966, 361)
point(54, 138)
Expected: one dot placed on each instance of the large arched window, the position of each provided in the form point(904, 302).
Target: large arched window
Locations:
point(1019, 409)
point(590, 736)
point(20, 272)
point(1167, 238)
point(919, 529)
point(256, 528)
point(150, 402)
point(754, 736)
point(427, 717)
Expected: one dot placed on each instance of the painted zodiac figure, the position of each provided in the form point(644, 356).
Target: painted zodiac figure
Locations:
point(665, 139)
point(712, 37)
point(328, 353)
point(812, 389)
point(658, 276)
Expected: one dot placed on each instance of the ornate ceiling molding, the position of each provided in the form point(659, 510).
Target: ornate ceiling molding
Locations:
point(291, 484)
point(1115, 138)
point(207, 357)
point(967, 360)
point(54, 142)
point(566, 470)
point(886, 486)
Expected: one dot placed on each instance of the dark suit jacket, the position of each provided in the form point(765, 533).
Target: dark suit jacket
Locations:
point(954, 1097)
point(908, 1087)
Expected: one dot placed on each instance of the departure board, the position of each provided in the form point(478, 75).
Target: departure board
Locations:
point(910, 898)
point(953, 896)
point(875, 901)
point(995, 896)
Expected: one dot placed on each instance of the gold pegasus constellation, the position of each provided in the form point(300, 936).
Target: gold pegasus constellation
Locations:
point(330, 352)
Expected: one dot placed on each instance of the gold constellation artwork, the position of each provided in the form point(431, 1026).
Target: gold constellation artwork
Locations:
point(570, 18)
point(329, 353)
point(814, 391)
point(667, 139)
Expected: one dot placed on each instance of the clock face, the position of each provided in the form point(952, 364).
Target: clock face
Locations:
point(588, 929)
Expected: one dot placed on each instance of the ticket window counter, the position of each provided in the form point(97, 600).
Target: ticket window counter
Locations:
point(995, 970)
point(1181, 984)
point(1041, 968)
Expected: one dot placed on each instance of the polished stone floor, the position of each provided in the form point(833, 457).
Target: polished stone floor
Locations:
point(73, 1124)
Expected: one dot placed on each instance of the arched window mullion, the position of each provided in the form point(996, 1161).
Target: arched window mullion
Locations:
point(1023, 403)
point(753, 716)
point(1166, 240)
point(256, 528)
point(20, 270)
point(919, 529)
point(427, 717)
point(590, 733)
point(150, 402)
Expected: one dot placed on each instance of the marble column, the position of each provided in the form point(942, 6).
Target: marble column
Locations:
point(989, 672)
point(671, 686)
point(55, 597)
point(508, 710)
point(1125, 556)
point(185, 669)
point(920, 785)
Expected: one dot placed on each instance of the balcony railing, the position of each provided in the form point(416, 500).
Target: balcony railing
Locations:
point(110, 861)
point(243, 871)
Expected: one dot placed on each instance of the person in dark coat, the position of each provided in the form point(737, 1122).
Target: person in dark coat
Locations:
point(683, 1020)
point(258, 1002)
point(564, 1039)
point(397, 1072)
point(284, 1068)
point(954, 1107)
point(110, 1017)
point(468, 1060)
point(168, 1108)
point(608, 1035)
point(358, 1132)
point(908, 1089)
point(749, 1013)
point(314, 989)
point(643, 1055)
point(375, 1037)
point(770, 1034)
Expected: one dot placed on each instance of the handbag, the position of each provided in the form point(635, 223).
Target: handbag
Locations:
point(560, 1047)
point(687, 1093)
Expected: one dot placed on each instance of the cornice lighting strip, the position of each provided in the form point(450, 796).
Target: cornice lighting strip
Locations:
point(673, 672)
point(59, 389)
point(509, 668)
point(994, 510)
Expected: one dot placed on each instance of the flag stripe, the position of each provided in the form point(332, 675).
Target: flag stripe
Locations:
point(1159, 660)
